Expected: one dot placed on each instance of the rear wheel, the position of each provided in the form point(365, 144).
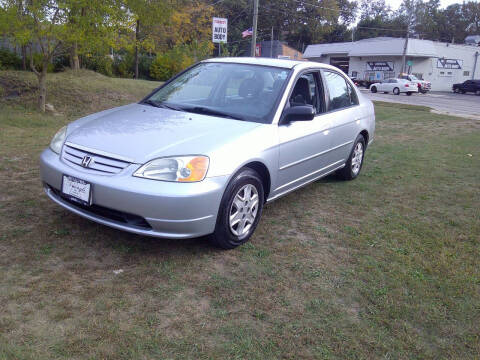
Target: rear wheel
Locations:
point(396, 91)
point(240, 210)
point(373, 89)
point(355, 161)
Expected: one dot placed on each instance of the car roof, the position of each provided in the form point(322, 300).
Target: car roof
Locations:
point(281, 63)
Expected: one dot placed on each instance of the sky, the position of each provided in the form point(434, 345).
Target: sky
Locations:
point(394, 4)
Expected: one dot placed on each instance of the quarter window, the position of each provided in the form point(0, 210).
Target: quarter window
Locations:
point(340, 93)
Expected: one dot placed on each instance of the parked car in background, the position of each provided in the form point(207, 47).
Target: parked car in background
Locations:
point(204, 152)
point(467, 86)
point(395, 86)
point(423, 85)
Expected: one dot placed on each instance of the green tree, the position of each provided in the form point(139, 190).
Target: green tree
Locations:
point(92, 26)
point(50, 26)
point(145, 17)
point(41, 26)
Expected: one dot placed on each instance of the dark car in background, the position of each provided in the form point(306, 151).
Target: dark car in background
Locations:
point(467, 86)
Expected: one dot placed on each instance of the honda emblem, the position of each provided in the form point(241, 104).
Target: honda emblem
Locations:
point(87, 161)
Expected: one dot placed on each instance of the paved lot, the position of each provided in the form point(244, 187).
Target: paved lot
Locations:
point(467, 105)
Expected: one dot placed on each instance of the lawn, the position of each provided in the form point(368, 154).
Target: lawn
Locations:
point(383, 267)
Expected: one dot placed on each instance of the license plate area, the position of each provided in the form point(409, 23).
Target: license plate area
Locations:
point(77, 190)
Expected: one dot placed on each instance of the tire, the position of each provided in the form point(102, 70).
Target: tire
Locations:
point(246, 213)
point(373, 89)
point(354, 165)
point(463, 91)
point(385, 92)
point(477, 92)
point(396, 91)
point(409, 93)
point(456, 91)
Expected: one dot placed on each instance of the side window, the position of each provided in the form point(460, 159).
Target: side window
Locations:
point(305, 92)
point(339, 95)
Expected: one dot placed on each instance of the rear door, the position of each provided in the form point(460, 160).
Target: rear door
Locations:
point(344, 111)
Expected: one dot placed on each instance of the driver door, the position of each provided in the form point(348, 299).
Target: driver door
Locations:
point(304, 145)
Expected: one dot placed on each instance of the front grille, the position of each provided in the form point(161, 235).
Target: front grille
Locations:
point(99, 163)
point(110, 214)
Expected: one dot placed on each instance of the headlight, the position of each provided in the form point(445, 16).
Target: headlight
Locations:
point(58, 140)
point(179, 168)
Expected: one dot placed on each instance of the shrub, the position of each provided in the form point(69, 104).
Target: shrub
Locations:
point(102, 64)
point(177, 59)
point(123, 66)
point(144, 64)
point(61, 62)
point(10, 60)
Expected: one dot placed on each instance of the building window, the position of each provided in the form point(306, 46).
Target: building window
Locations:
point(466, 73)
point(354, 74)
point(443, 73)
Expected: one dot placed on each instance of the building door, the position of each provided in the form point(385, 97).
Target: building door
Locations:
point(340, 62)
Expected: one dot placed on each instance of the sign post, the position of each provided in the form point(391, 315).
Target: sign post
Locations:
point(219, 31)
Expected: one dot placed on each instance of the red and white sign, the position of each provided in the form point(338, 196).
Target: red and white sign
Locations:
point(219, 30)
point(258, 50)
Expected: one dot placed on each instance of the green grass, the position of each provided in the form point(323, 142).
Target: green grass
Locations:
point(383, 267)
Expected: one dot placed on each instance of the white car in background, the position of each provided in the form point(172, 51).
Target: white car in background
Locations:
point(395, 86)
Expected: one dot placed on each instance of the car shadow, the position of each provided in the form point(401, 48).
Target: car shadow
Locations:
point(99, 236)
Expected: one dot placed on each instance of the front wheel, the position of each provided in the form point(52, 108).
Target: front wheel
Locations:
point(240, 210)
point(373, 89)
point(355, 161)
point(409, 93)
point(396, 91)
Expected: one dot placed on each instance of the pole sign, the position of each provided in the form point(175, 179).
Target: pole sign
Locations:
point(219, 30)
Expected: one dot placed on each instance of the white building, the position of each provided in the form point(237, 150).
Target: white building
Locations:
point(442, 64)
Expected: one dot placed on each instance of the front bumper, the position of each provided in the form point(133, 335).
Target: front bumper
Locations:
point(169, 209)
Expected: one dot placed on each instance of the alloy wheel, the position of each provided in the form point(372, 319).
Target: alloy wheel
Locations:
point(243, 210)
point(357, 158)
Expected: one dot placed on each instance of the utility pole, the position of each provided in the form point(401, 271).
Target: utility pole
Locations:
point(404, 57)
point(254, 27)
point(271, 44)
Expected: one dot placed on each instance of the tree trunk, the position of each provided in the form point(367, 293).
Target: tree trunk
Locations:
point(42, 87)
point(136, 48)
point(24, 57)
point(74, 60)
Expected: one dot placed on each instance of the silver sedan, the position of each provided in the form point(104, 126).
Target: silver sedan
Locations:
point(203, 153)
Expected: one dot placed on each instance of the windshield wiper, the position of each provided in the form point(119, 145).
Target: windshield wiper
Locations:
point(207, 111)
point(162, 105)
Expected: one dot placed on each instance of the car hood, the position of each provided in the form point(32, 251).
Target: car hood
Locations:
point(142, 132)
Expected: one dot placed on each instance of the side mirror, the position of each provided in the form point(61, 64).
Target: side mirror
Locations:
point(298, 113)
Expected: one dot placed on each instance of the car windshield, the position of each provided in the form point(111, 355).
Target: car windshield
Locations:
point(236, 91)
